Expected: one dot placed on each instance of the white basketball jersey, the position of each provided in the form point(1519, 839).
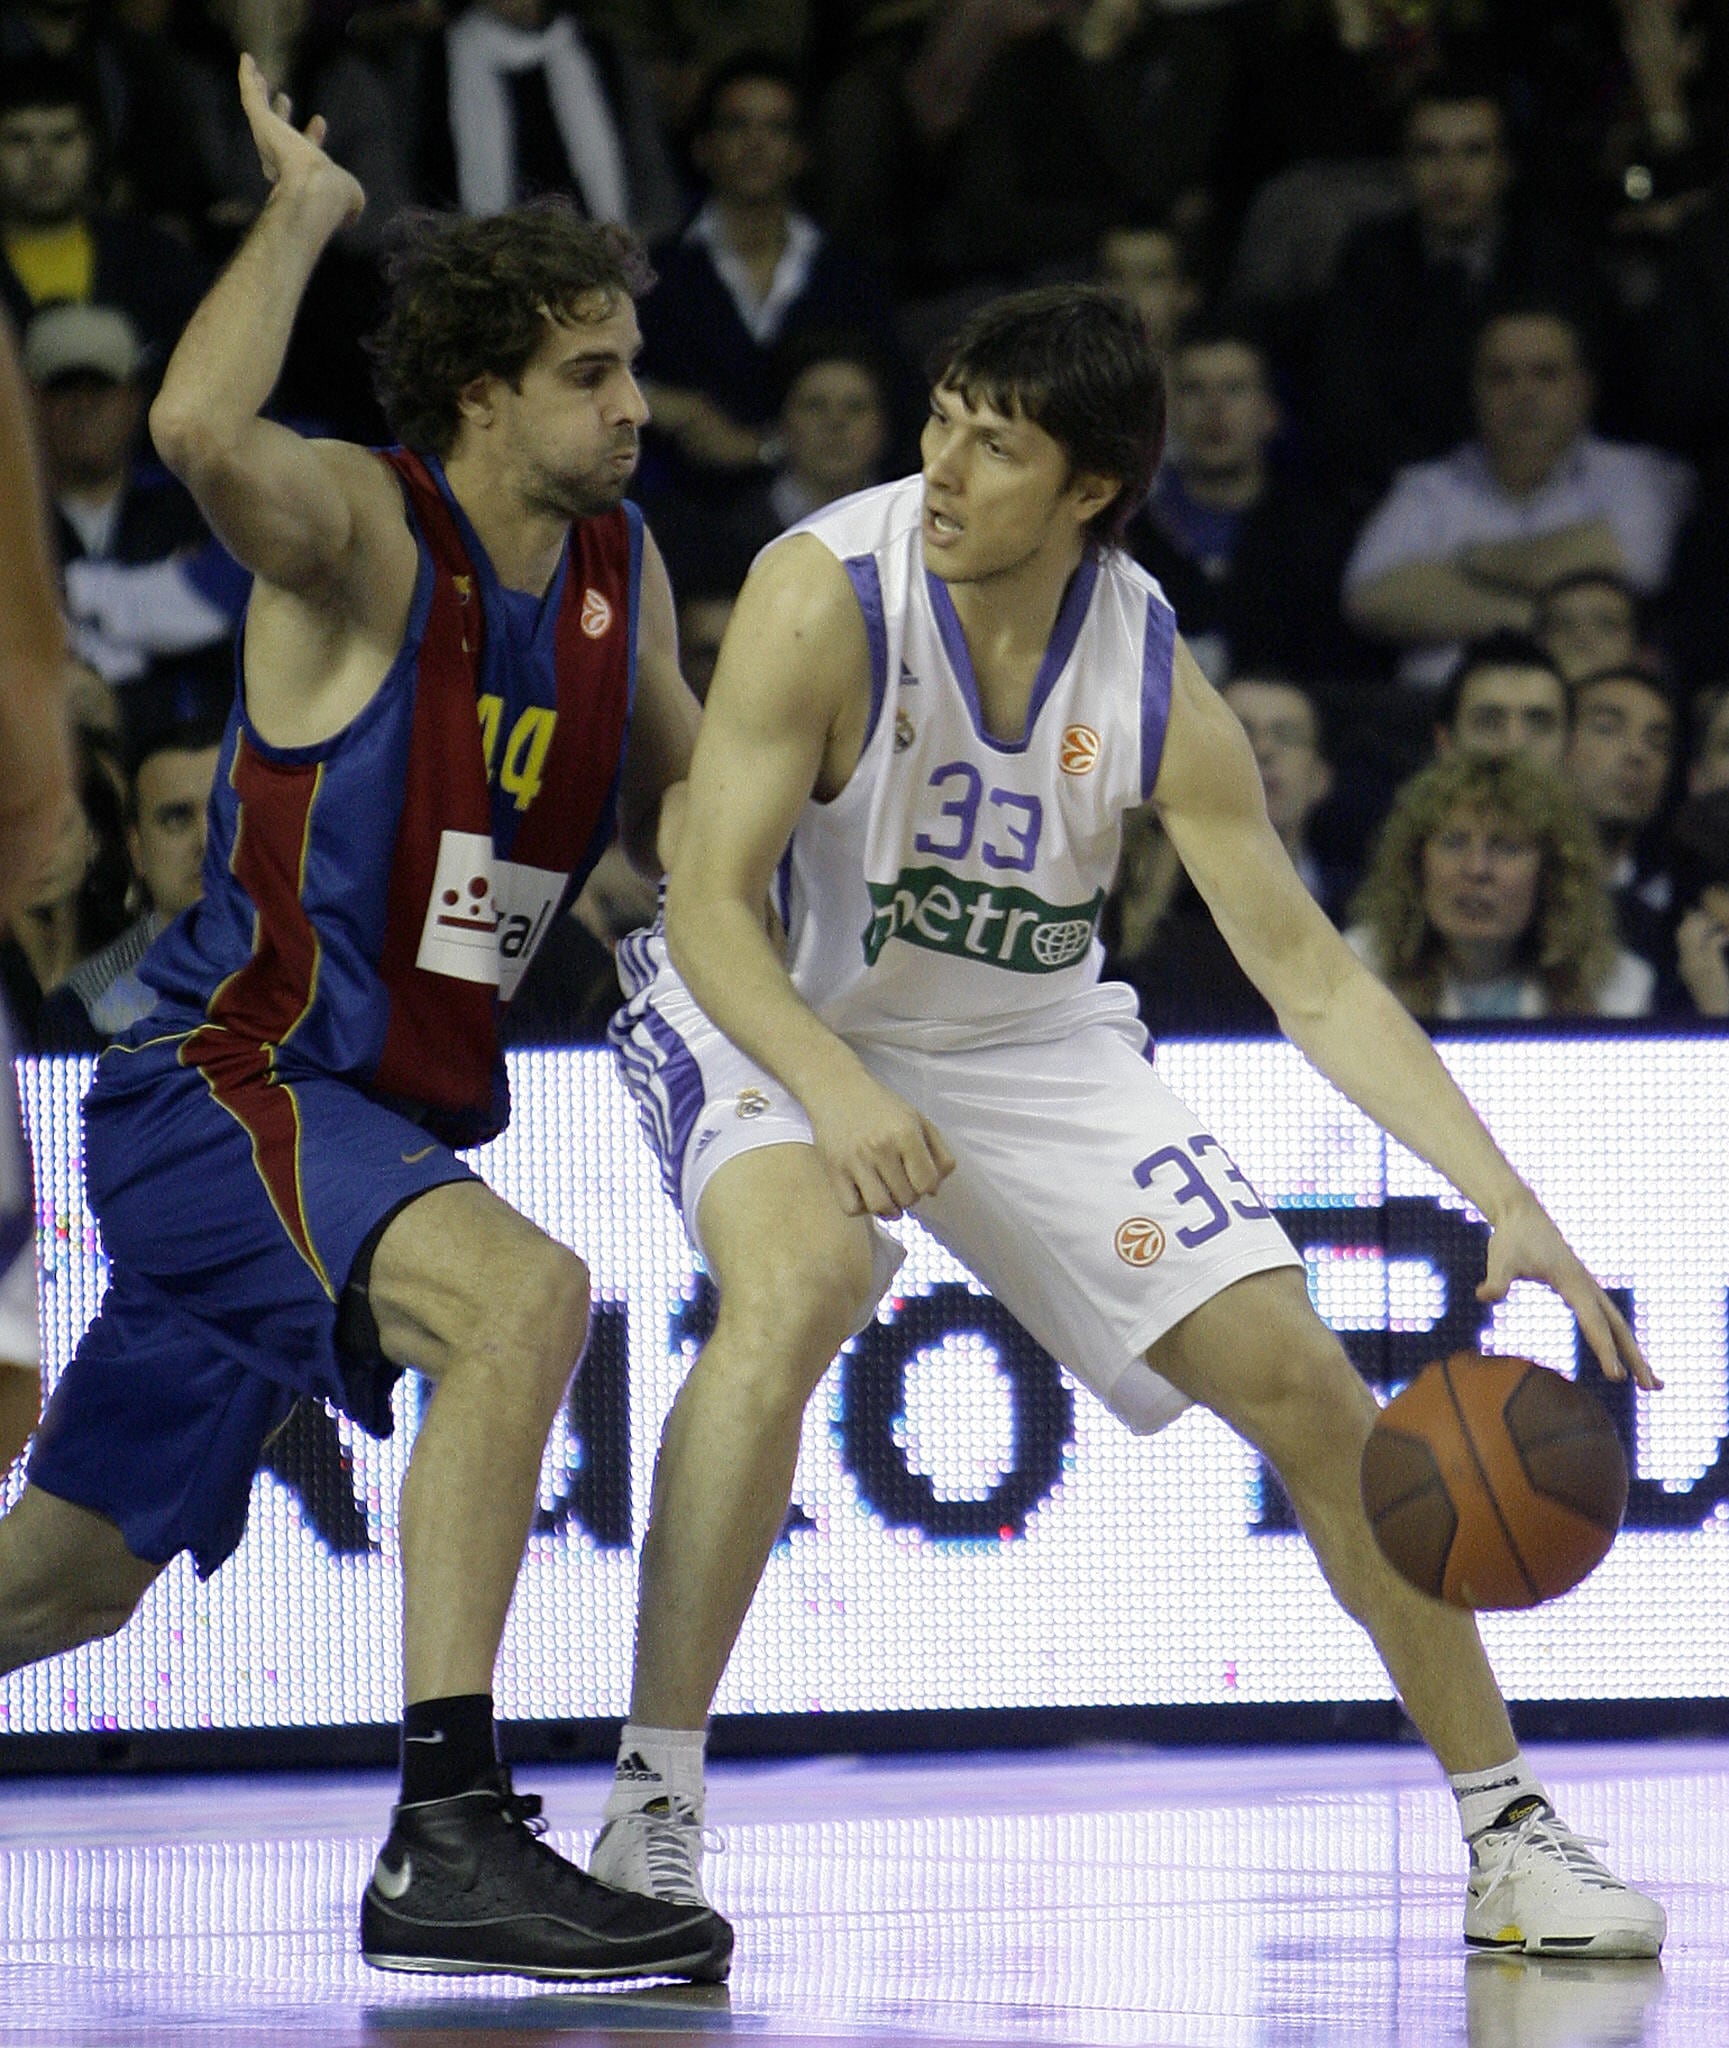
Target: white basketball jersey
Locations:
point(950, 894)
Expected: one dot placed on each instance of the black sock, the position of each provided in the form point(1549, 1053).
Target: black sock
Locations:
point(447, 1746)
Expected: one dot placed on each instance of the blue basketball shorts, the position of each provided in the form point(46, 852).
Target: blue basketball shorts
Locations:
point(235, 1212)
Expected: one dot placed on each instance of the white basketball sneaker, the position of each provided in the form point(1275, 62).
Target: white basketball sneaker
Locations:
point(1536, 1886)
point(656, 1850)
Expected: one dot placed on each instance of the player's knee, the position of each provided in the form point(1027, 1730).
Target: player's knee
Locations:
point(1309, 1395)
point(799, 1303)
point(551, 1314)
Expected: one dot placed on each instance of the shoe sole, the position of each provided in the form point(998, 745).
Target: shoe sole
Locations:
point(700, 1968)
point(1621, 1944)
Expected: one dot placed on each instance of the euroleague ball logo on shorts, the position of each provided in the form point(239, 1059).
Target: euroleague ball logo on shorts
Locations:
point(1055, 945)
point(1140, 1241)
point(1079, 752)
point(596, 613)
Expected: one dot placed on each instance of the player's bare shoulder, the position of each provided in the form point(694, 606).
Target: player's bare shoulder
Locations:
point(316, 653)
point(797, 653)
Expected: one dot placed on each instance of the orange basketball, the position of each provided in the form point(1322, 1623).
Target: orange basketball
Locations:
point(1493, 1482)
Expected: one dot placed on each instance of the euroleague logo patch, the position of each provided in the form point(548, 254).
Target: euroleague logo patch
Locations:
point(596, 614)
point(1079, 752)
point(1140, 1241)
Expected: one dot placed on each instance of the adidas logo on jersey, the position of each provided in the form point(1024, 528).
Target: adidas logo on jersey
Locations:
point(998, 926)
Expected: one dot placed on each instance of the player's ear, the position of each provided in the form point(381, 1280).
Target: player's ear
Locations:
point(475, 401)
point(1091, 493)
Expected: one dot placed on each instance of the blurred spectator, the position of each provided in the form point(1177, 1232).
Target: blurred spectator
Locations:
point(748, 274)
point(143, 575)
point(1620, 758)
point(1685, 356)
point(1505, 696)
point(124, 75)
point(322, 71)
point(1464, 546)
point(1251, 563)
point(832, 434)
point(1185, 976)
point(684, 41)
point(1048, 122)
point(534, 97)
point(1485, 900)
point(176, 722)
point(1708, 762)
point(54, 241)
point(75, 903)
point(1699, 849)
point(1394, 344)
point(1589, 621)
point(703, 612)
point(1149, 266)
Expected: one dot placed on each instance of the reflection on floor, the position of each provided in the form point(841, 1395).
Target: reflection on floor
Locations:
point(1288, 1899)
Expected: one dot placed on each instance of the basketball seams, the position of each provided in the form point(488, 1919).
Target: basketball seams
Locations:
point(1470, 1443)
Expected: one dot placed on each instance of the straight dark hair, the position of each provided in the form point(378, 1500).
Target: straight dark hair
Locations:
point(471, 298)
point(1075, 360)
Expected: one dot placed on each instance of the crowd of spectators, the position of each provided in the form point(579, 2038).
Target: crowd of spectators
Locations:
point(1442, 292)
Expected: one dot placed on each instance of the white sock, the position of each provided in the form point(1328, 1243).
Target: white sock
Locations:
point(1484, 1796)
point(656, 1763)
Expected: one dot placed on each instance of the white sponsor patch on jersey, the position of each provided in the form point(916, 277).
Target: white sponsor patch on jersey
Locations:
point(485, 916)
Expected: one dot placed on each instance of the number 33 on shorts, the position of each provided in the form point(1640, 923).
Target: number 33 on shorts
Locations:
point(1176, 1173)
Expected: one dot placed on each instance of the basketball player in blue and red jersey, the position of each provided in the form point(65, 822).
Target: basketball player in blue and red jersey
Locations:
point(458, 663)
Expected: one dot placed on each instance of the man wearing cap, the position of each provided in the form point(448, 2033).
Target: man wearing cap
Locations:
point(143, 575)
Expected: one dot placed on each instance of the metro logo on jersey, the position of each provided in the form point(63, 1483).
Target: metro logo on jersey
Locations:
point(486, 916)
point(999, 926)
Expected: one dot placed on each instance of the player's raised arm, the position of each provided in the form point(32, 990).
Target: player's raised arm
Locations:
point(663, 721)
point(788, 701)
point(1354, 1030)
point(284, 506)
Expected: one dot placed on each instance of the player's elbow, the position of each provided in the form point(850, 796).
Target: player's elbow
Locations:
point(187, 439)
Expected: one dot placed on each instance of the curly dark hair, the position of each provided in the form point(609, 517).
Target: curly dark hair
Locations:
point(471, 298)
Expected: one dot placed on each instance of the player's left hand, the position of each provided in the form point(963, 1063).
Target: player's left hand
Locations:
point(1525, 1245)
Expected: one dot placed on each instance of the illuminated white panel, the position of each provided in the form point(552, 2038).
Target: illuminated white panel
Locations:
point(971, 1530)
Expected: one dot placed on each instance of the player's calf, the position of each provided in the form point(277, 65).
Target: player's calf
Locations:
point(66, 1578)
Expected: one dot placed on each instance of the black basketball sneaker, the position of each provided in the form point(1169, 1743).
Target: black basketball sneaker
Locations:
point(466, 1884)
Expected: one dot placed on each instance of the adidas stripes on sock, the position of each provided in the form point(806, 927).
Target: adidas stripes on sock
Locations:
point(656, 1763)
point(1486, 1797)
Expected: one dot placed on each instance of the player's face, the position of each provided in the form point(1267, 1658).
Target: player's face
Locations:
point(1589, 627)
point(1280, 723)
point(171, 796)
point(570, 428)
point(1000, 493)
point(1480, 876)
point(1618, 759)
point(1513, 711)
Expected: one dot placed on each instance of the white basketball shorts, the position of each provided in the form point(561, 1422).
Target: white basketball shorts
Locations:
point(1086, 1196)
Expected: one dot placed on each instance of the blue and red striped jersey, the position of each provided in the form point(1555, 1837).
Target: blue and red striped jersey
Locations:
point(371, 903)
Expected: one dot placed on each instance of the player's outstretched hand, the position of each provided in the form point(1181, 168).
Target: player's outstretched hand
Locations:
point(881, 1155)
point(294, 158)
point(1525, 1245)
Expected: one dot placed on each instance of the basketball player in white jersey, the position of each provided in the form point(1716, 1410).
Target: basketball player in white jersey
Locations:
point(937, 700)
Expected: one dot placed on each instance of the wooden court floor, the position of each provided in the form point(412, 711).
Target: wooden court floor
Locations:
point(1240, 1899)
